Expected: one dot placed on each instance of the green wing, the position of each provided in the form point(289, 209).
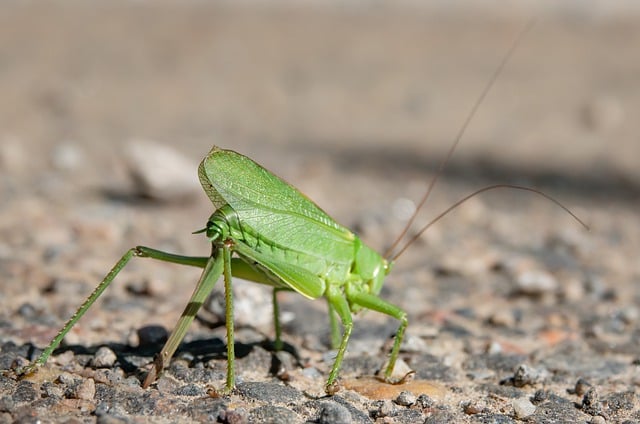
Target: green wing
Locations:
point(275, 210)
point(300, 279)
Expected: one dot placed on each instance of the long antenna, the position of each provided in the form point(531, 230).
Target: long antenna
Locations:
point(475, 193)
point(461, 132)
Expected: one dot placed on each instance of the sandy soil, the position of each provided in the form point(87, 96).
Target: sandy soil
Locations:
point(511, 303)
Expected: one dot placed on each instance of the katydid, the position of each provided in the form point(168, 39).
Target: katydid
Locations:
point(266, 231)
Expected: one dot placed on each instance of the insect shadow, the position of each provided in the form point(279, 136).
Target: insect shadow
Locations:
point(482, 170)
point(129, 358)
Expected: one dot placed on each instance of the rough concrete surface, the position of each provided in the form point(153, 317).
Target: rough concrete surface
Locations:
point(516, 312)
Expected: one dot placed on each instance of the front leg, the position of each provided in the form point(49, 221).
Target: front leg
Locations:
point(374, 303)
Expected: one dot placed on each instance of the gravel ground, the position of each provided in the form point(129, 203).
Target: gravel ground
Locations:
point(516, 312)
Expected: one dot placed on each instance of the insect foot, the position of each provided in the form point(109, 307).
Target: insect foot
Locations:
point(332, 388)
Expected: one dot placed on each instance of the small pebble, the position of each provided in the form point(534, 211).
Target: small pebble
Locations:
point(502, 318)
point(630, 315)
point(424, 401)
point(400, 371)
point(85, 390)
point(27, 310)
point(591, 402)
point(494, 348)
point(66, 156)
point(526, 375)
point(523, 407)
point(406, 398)
point(252, 305)
point(535, 282)
point(384, 408)
point(166, 384)
point(598, 419)
point(581, 387)
point(539, 396)
point(52, 390)
point(104, 358)
point(283, 362)
point(161, 172)
point(312, 373)
point(66, 379)
point(403, 208)
point(474, 407)
point(572, 289)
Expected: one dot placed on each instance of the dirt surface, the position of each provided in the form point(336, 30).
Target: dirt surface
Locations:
point(516, 313)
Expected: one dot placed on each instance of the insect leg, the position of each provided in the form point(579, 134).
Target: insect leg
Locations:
point(335, 327)
point(147, 252)
point(210, 274)
point(338, 302)
point(139, 251)
point(80, 312)
point(374, 303)
point(228, 298)
point(277, 343)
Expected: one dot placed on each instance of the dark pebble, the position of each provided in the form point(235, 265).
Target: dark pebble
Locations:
point(7, 384)
point(6, 404)
point(10, 352)
point(269, 392)
point(440, 417)
point(425, 402)
point(270, 414)
point(189, 390)
point(25, 392)
point(334, 413)
point(152, 335)
point(539, 396)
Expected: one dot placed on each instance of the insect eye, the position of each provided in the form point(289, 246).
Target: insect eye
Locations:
point(214, 231)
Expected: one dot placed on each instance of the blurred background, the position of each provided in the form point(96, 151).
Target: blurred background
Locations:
point(377, 81)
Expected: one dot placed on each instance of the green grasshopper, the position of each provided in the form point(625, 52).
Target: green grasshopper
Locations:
point(281, 239)
point(266, 231)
